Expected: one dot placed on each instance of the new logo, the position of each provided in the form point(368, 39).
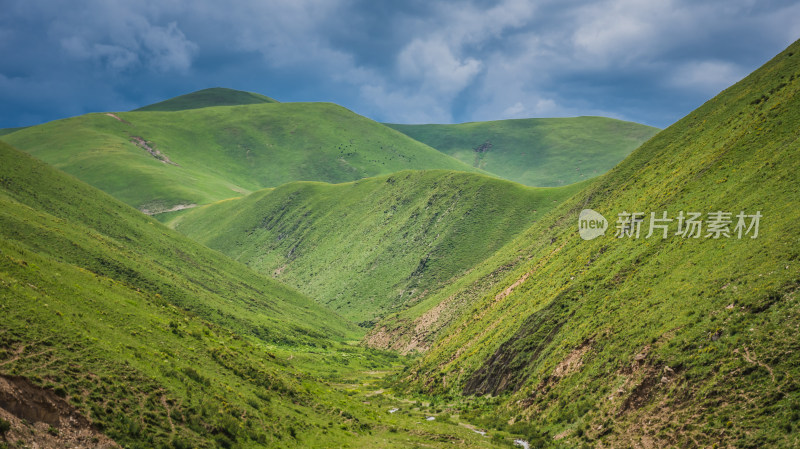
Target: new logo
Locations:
point(591, 224)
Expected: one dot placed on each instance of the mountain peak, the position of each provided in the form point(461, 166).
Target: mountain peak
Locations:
point(215, 96)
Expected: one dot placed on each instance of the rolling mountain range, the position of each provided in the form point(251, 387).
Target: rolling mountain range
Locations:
point(219, 143)
point(428, 303)
point(541, 152)
point(159, 161)
point(375, 245)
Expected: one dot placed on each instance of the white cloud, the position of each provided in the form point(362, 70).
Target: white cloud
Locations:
point(125, 38)
point(622, 32)
point(404, 106)
point(435, 67)
point(516, 110)
point(167, 48)
point(286, 33)
point(464, 24)
point(437, 60)
point(113, 56)
point(709, 77)
point(532, 107)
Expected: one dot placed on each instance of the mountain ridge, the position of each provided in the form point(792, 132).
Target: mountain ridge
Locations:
point(220, 143)
point(157, 160)
point(372, 245)
point(541, 152)
point(214, 96)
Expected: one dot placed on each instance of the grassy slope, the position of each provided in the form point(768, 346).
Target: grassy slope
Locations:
point(108, 238)
point(223, 152)
point(215, 96)
point(655, 342)
point(537, 152)
point(374, 245)
point(4, 131)
point(161, 342)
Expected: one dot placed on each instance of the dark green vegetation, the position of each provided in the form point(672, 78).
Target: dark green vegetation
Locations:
point(375, 245)
point(538, 151)
point(652, 342)
point(159, 161)
point(160, 342)
point(215, 96)
point(4, 131)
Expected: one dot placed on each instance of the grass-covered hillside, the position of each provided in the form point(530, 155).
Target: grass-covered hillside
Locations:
point(215, 96)
point(4, 131)
point(119, 331)
point(160, 161)
point(650, 342)
point(54, 215)
point(376, 245)
point(537, 152)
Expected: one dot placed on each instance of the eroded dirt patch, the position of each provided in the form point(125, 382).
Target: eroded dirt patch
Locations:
point(155, 209)
point(573, 361)
point(117, 118)
point(150, 148)
point(413, 336)
point(40, 418)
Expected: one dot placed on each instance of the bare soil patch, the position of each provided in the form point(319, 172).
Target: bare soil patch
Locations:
point(41, 418)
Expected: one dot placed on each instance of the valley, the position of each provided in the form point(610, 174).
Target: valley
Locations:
point(375, 245)
point(222, 270)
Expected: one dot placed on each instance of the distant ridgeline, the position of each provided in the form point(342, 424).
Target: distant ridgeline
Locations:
point(537, 152)
point(218, 143)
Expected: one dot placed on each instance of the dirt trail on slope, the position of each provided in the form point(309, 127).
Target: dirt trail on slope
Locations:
point(155, 211)
point(145, 145)
point(115, 116)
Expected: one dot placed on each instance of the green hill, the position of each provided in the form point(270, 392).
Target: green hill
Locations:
point(539, 151)
point(117, 328)
point(375, 245)
point(215, 96)
point(625, 342)
point(53, 214)
point(4, 131)
point(161, 161)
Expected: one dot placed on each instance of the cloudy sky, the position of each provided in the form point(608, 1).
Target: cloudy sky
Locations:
point(416, 61)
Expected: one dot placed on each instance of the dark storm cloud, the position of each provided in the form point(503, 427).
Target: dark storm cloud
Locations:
point(417, 61)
